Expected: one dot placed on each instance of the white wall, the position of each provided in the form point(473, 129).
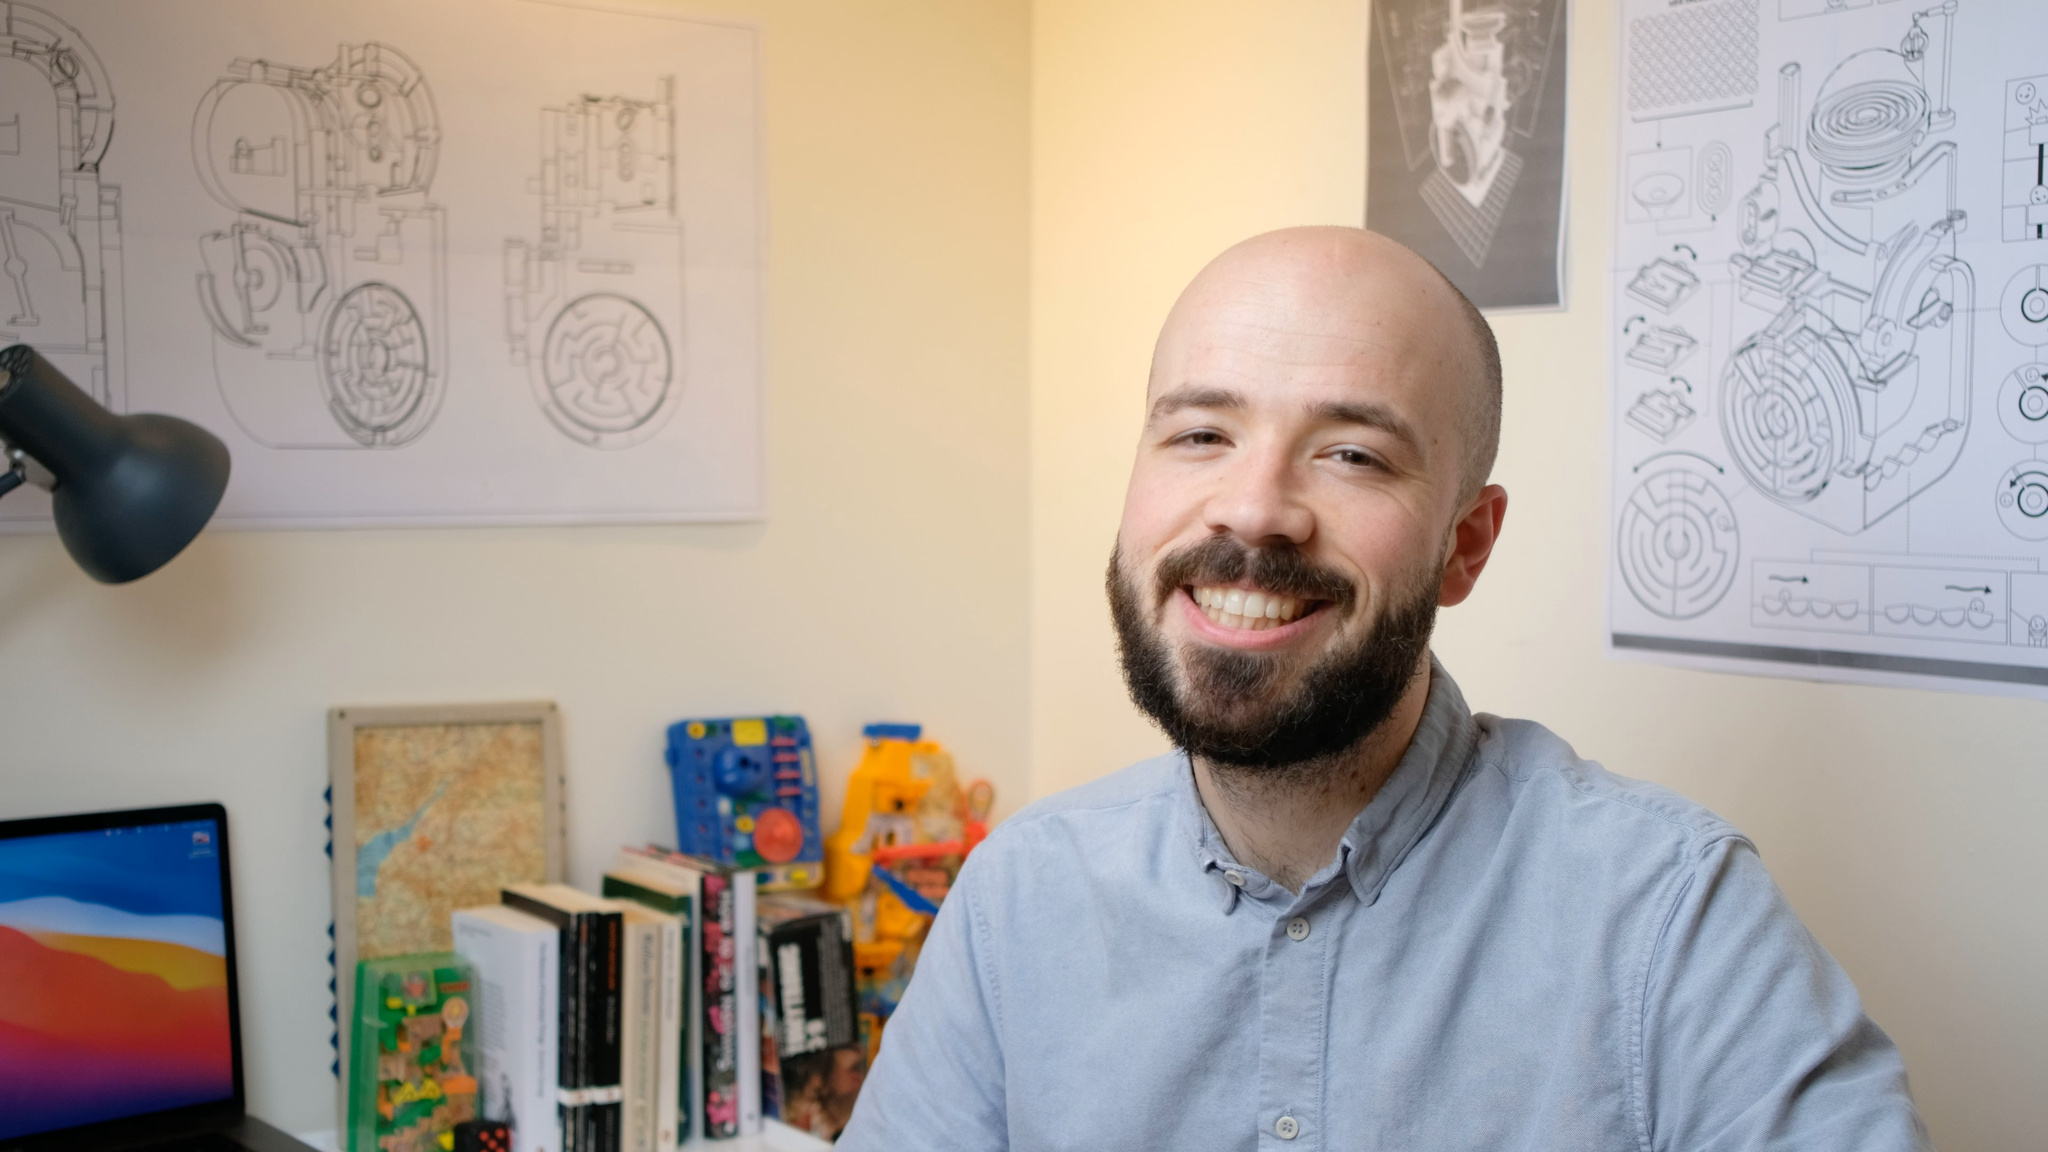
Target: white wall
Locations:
point(1904, 826)
point(888, 582)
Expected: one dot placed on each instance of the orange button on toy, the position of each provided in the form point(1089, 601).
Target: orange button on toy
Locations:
point(778, 836)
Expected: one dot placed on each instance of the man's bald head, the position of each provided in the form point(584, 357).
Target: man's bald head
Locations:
point(1347, 285)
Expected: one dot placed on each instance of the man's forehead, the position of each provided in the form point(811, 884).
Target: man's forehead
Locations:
point(1279, 357)
point(1282, 314)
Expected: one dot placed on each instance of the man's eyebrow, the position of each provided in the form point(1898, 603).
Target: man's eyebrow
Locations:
point(1183, 398)
point(1369, 416)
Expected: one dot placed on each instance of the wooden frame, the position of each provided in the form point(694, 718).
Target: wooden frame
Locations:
point(345, 726)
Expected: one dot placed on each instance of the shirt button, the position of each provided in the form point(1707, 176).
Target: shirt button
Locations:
point(1235, 877)
point(1297, 929)
point(1286, 1128)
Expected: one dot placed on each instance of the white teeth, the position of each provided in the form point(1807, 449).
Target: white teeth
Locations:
point(1250, 611)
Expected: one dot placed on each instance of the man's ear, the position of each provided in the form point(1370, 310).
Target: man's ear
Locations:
point(1472, 539)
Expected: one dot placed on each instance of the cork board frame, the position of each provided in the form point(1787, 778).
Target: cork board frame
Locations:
point(480, 783)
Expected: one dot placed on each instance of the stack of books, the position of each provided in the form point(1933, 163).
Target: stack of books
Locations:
point(633, 1020)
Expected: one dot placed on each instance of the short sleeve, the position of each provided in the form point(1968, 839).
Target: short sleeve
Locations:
point(1752, 1036)
point(937, 1082)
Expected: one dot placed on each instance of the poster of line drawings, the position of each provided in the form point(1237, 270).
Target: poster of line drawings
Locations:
point(1465, 160)
point(466, 262)
point(1830, 359)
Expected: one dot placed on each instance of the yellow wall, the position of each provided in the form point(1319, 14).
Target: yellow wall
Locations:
point(888, 581)
point(1904, 826)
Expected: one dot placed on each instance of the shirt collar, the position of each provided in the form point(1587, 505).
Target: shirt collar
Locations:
point(1380, 837)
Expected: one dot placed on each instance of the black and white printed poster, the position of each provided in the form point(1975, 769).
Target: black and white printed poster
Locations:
point(1830, 341)
point(1465, 124)
point(474, 261)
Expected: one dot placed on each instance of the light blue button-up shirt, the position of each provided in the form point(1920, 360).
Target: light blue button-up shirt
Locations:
point(1513, 949)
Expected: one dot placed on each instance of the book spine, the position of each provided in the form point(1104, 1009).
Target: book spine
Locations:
point(540, 1111)
point(668, 1029)
point(571, 1120)
point(572, 1061)
point(719, 1104)
point(607, 1005)
point(773, 1045)
point(690, 1102)
point(745, 941)
point(638, 1063)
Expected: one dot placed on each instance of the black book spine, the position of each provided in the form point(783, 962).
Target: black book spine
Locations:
point(572, 1069)
point(607, 1004)
point(586, 953)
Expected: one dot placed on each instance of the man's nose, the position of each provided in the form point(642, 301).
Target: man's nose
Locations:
point(1259, 501)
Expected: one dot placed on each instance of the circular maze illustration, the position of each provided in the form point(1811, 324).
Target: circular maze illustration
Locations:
point(606, 371)
point(374, 367)
point(2023, 403)
point(1783, 409)
point(2024, 306)
point(1677, 544)
point(2022, 499)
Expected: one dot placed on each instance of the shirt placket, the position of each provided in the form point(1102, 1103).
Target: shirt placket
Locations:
point(1294, 1013)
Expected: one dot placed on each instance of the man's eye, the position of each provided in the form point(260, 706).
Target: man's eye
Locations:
point(1201, 438)
point(1355, 457)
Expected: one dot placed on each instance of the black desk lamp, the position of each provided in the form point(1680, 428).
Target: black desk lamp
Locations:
point(128, 492)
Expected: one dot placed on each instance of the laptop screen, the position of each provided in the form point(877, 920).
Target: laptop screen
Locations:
point(114, 974)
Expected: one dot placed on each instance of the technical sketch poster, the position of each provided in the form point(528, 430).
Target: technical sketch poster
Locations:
point(461, 261)
point(1465, 157)
point(1831, 339)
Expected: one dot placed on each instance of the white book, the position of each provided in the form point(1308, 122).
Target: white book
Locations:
point(517, 959)
point(749, 1013)
point(669, 1071)
point(743, 962)
point(688, 1079)
point(640, 1041)
point(670, 995)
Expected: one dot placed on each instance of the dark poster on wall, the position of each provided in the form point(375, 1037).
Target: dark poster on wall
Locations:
point(1465, 131)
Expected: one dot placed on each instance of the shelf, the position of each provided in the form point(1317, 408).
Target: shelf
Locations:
point(774, 1137)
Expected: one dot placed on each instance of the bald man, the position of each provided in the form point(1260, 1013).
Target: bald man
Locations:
point(1347, 912)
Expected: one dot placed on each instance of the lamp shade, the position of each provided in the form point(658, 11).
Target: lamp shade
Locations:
point(130, 491)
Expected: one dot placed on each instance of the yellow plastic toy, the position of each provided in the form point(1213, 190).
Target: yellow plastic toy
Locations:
point(882, 798)
point(907, 826)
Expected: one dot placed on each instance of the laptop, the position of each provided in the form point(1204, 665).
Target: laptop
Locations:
point(119, 1022)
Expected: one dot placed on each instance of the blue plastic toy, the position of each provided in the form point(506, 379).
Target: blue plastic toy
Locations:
point(746, 793)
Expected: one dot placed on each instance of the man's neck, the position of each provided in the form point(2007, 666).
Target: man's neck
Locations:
point(1288, 824)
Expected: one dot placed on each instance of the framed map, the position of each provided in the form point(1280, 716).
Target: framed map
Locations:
point(435, 808)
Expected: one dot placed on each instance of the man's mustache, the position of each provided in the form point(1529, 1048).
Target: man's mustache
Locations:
point(1223, 560)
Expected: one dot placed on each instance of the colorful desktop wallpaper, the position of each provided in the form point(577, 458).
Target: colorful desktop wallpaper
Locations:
point(113, 976)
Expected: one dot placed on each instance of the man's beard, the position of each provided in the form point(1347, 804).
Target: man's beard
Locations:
point(1252, 710)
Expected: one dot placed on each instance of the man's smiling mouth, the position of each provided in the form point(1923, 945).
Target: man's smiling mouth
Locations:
point(1250, 611)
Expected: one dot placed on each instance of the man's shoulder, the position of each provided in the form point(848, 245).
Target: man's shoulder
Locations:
point(1114, 806)
point(1147, 781)
point(1533, 766)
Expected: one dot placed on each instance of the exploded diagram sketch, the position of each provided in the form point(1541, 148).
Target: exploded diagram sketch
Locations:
point(467, 262)
point(327, 291)
point(60, 225)
point(1818, 205)
point(594, 307)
